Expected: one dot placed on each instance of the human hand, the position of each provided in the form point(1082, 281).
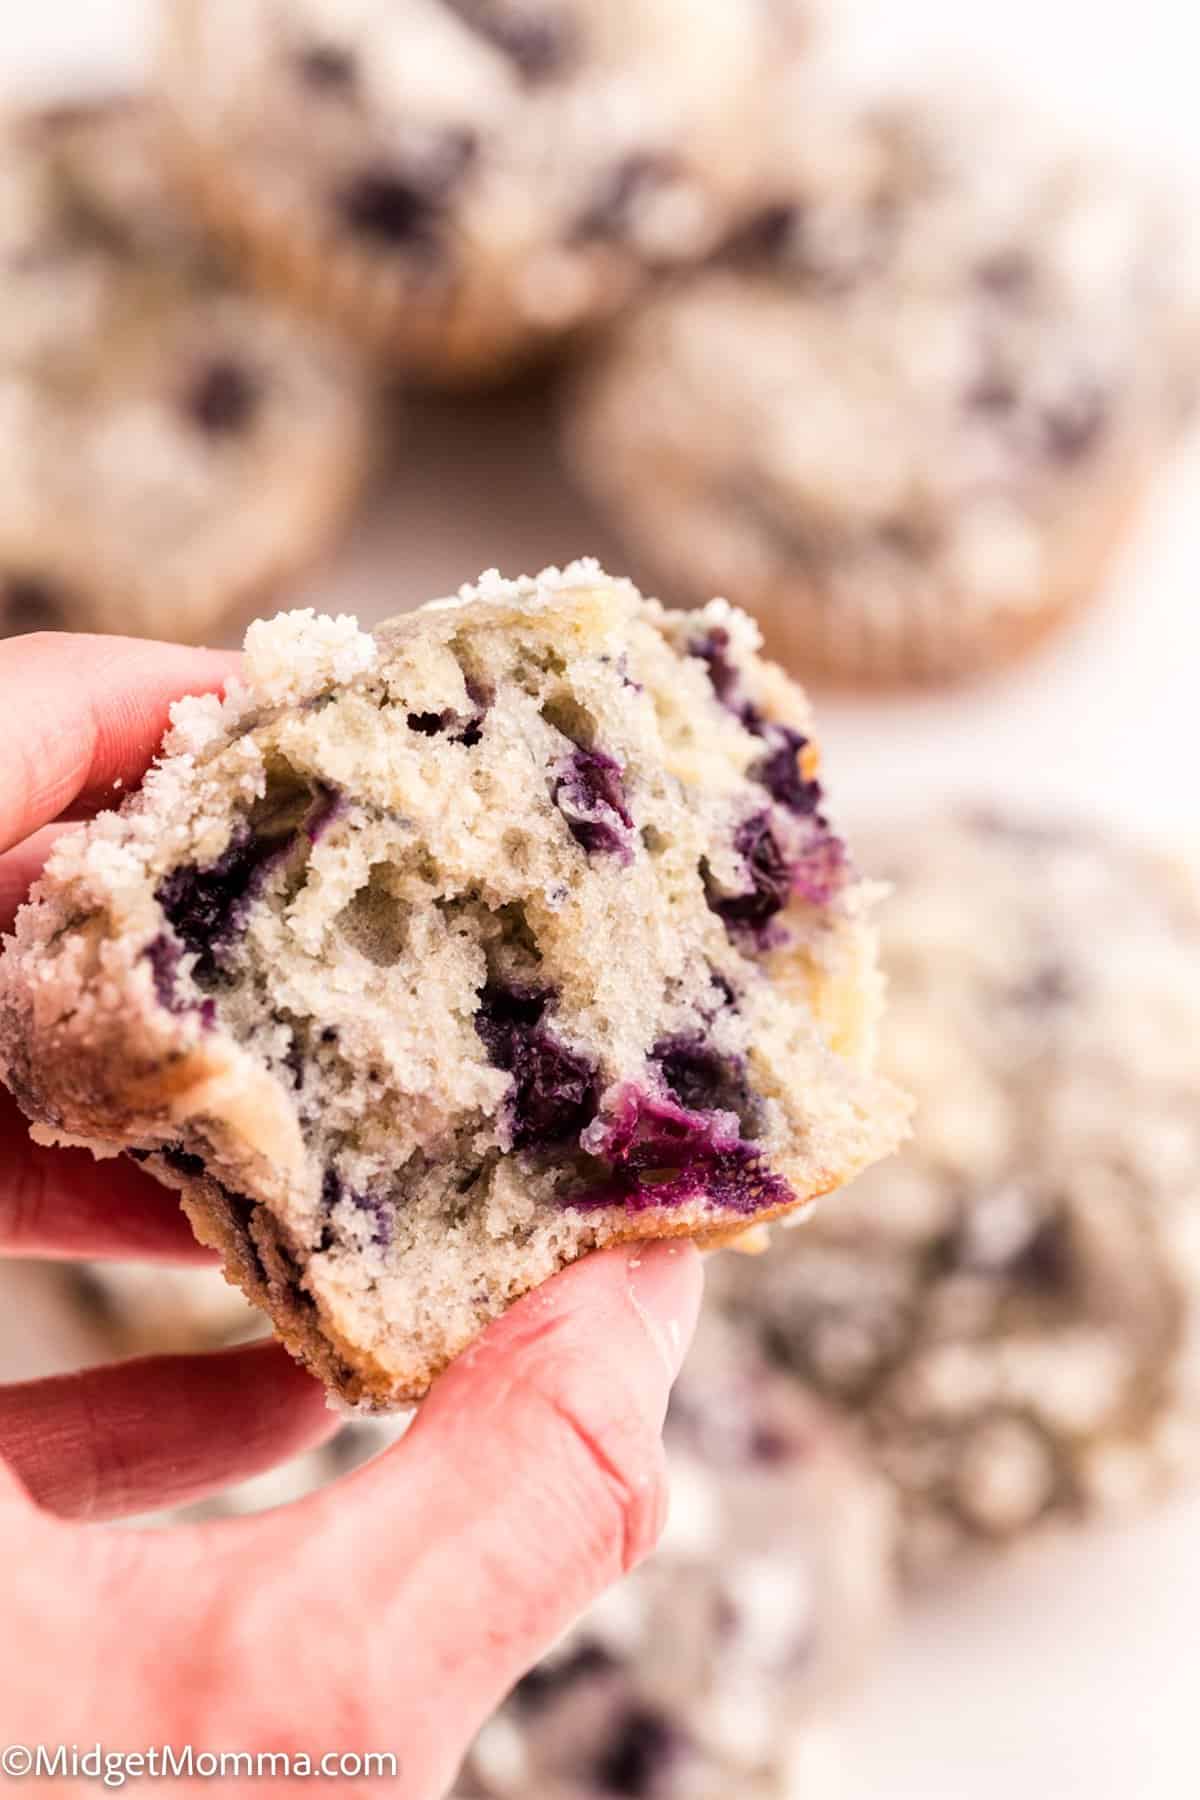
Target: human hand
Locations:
point(387, 1613)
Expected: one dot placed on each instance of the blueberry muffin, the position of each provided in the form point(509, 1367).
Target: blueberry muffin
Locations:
point(909, 416)
point(433, 958)
point(463, 181)
point(711, 1671)
point(1009, 1311)
point(201, 448)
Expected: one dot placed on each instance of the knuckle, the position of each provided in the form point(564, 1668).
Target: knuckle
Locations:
point(618, 1460)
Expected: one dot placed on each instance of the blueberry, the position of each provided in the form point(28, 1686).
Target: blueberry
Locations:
point(163, 954)
point(643, 1747)
point(726, 678)
point(206, 906)
point(661, 1155)
point(555, 1091)
point(819, 871)
point(481, 699)
point(334, 1191)
point(428, 723)
point(222, 398)
point(724, 988)
point(769, 873)
point(590, 795)
point(779, 770)
point(699, 1077)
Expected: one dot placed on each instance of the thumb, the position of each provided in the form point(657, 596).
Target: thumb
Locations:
point(532, 1478)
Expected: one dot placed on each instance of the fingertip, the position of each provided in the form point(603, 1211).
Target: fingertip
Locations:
point(666, 1287)
point(159, 1431)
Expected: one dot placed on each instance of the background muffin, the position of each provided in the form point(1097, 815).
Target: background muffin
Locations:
point(908, 423)
point(461, 181)
point(1008, 1310)
point(172, 448)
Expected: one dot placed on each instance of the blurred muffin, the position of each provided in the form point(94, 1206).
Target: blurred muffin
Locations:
point(909, 418)
point(172, 448)
point(142, 1308)
point(708, 1672)
point(464, 180)
point(1008, 1308)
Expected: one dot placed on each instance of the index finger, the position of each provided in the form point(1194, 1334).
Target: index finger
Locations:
point(83, 715)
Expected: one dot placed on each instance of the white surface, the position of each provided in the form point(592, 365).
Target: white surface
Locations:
point(1072, 1672)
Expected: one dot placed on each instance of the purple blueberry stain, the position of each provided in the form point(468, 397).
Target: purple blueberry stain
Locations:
point(820, 870)
point(555, 1091)
point(700, 1077)
point(725, 991)
point(206, 905)
point(662, 1155)
point(328, 807)
point(780, 771)
point(590, 795)
point(164, 955)
point(472, 729)
point(428, 724)
point(334, 1192)
point(769, 874)
point(723, 672)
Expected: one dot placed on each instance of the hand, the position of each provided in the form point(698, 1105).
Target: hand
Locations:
point(390, 1612)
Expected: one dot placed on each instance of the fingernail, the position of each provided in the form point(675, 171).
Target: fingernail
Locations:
point(666, 1284)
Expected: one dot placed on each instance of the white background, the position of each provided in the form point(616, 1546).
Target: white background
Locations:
point(1074, 1671)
